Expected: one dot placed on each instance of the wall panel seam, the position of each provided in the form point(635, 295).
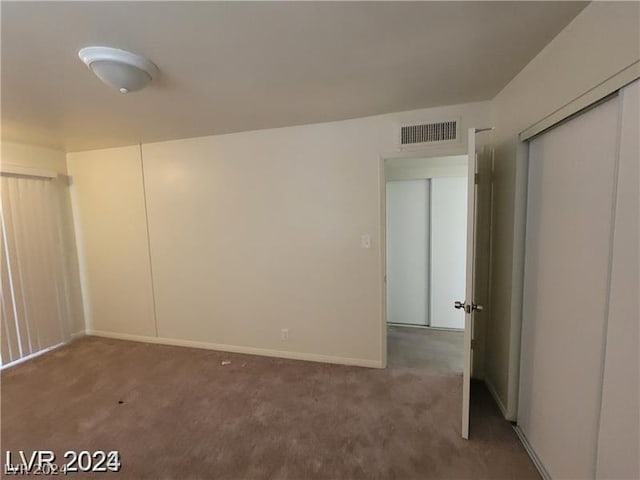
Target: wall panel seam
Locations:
point(146, 219)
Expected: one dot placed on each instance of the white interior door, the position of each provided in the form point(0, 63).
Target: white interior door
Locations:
point(468, 304)
point(408, 251)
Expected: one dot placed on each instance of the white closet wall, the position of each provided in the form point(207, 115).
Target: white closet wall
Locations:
point(244, 235)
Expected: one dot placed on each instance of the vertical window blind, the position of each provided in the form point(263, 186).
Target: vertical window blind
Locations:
point(35, 303)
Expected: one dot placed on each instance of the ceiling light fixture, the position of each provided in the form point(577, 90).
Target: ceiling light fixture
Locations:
point(122, 70)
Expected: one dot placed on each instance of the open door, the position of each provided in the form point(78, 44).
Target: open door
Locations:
point(468, 304)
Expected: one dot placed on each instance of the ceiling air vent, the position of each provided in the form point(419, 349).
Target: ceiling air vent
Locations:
point(428, 133)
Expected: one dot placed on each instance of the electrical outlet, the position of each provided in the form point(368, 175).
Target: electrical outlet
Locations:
point(284, 334)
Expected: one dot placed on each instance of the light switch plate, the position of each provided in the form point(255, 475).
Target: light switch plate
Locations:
point(365, 241)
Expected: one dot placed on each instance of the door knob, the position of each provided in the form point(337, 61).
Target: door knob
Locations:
point(468, 308)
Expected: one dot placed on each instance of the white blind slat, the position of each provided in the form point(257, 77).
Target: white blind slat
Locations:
point(13, 240)
point(35, 305)
point(9, 319)
point(5, 349)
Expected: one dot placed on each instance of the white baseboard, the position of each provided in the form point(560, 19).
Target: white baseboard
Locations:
point(532, 454)
point(311, 357)
point(496, 397)
point(77, 335)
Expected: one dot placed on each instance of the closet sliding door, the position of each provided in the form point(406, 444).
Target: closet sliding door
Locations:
point(578, 400)
point(426, 248)
point(408, 251)
point(570, 199)
point(448, 250)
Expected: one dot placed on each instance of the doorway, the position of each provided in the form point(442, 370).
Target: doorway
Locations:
point(426, 232)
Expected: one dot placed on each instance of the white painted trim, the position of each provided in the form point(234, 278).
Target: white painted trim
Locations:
point(382, 252)
point(532, 454)
point(31, 356)
point(311, 357)
point(517, 277)
point(429, 293)
point(12, 169)
point(597, 93)
point(470, 278)
point(497, 398)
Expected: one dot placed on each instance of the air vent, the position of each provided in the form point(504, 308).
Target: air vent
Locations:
point(428, 133)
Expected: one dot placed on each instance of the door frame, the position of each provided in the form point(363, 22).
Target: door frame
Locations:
point(458, 148)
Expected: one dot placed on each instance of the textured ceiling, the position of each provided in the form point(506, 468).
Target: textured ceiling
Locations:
point(235, 66)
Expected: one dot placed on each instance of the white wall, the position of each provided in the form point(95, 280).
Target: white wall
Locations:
point(599, 42)
point(434, 167)
point(448, 250)
point(110, 220)
point(250, 233)
point(32, 156)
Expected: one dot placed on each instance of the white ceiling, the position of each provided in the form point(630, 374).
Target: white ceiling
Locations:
point(237, 66)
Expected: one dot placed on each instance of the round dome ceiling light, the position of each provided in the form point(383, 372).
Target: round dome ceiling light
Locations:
point(122, 70)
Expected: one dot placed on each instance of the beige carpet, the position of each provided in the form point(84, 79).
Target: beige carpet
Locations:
point(177, 413)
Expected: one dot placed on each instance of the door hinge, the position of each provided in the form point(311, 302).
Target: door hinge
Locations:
point(476, 178)
point(473, 343)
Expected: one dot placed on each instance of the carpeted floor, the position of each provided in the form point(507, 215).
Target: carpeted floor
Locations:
point(177, 413)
